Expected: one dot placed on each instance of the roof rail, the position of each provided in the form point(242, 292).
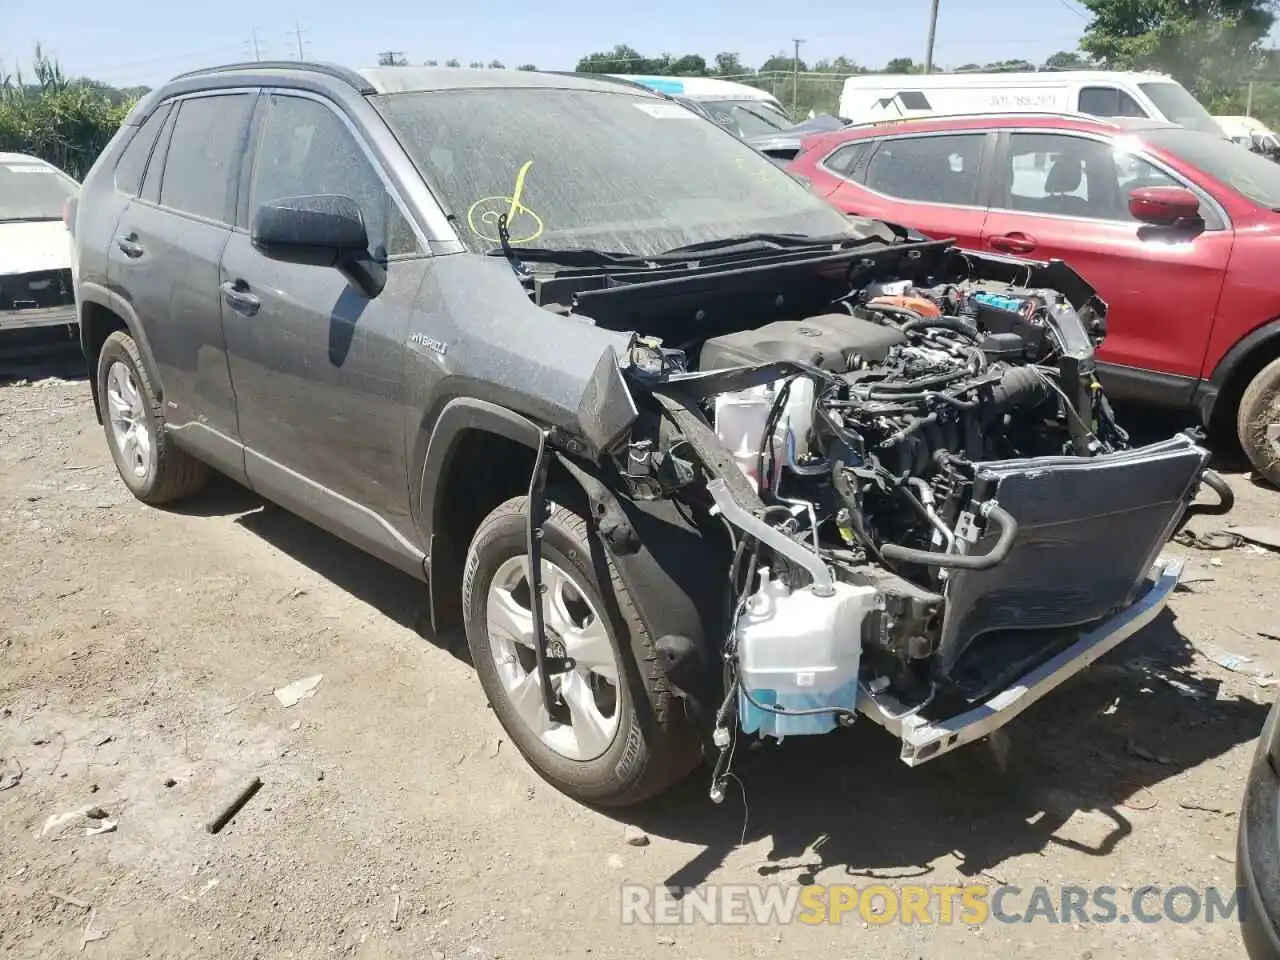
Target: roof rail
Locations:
point(336, 71)
point(611, 78)
point(1063, 114)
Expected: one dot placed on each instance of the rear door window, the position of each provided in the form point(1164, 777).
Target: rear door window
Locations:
point(133, 162)
point(929, 169)
point(202, 166)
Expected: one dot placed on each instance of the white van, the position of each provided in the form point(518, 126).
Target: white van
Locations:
point(877, 97)
point(1250, 132)
point(745, 110)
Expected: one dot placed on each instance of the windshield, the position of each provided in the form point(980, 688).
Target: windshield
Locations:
point(1249, 173)
point(1180, 107)
point(32, 191)
point(593, 169)
point(746, 118)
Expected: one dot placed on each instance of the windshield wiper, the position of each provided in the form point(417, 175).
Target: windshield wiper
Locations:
point(571, 256)
point(786, 241)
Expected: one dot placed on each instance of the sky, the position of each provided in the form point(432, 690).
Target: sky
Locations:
point(148, 41)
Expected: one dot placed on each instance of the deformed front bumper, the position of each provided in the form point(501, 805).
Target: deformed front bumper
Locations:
point(924, 738)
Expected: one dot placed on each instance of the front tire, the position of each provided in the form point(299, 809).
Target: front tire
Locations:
point(1258, 422)
point(154, 470)
point(626, 737)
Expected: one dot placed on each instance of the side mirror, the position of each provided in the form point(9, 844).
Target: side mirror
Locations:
point(320, 231)
point(1164, 206)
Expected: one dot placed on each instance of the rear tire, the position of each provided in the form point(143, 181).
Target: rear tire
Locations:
point(1258, 422)
point(151, 466)
point(650, 744)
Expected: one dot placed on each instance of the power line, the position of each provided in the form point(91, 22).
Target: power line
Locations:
point(297, 35)
point(1079, 13)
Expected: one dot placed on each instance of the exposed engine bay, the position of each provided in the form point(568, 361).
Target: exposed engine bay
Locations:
point(923, 493)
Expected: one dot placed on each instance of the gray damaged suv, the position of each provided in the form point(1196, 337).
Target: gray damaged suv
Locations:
point(687, 453)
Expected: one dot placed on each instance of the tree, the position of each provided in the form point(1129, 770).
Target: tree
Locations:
point(452, 63)
point(497, 65)
point(690, 65)
point(621, 59)
point(392, 58)
point(1206, 45)
point(432, 63)
point(476, 65)
point(781, 63)
point(901, 65)
point(1067, 60)
point(526, 66)
point(729, 65)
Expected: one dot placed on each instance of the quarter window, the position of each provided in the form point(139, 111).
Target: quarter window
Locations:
point(851, 160)
point(307, 150)
point(133, 162)
point(205, 150)
point(939, 169)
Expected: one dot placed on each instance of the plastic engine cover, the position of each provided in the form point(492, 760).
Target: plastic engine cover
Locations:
point(799, 651)
point(826, 342)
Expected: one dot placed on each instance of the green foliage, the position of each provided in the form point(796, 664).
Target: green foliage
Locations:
point(1209, 46)
point(66, 122)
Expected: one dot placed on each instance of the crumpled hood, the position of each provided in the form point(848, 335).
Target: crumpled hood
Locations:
point(28, 247)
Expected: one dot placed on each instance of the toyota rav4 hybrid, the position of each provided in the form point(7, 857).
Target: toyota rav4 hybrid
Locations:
point(1177, 229)
point(684, 450)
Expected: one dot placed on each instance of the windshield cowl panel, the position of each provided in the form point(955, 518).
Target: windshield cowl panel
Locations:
point(600, 170)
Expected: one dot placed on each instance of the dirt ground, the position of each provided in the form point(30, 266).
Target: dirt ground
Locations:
point(139, 649)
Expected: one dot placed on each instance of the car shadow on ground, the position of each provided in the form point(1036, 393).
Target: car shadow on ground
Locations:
point(64, 365)
point(394, 594)
point(845, 801)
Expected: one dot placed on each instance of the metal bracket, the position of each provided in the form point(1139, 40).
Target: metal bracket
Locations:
point(538, 513)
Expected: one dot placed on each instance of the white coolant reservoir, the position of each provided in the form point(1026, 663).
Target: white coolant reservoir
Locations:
point(740, 422)
point(799, 651)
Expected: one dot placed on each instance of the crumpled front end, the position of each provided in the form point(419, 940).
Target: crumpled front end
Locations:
point(918, 489)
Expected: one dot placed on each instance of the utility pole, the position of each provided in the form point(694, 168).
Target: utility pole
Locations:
point(795, 78)
point(297, 33)
point(257, 52)
point(933, 30)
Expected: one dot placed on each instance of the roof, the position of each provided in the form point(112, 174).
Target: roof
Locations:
point(1056, 121)
point(1004, 77)
point(375, 80)
point(22, 158)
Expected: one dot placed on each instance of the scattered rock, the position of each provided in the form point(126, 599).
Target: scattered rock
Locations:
point(298, 690)
point(96, 813)
point(635, 837)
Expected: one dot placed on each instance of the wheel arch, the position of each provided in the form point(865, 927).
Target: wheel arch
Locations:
point(1222, 392)
point(481, 454)
point(102, 312)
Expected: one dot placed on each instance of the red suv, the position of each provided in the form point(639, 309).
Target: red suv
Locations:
point(1178, 230)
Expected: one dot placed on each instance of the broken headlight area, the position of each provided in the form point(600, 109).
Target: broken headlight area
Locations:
point(924, 495)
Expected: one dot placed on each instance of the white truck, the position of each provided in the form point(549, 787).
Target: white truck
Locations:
point(879, 96)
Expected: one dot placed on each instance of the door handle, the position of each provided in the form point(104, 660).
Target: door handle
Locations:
point(1015, 242)
point(238, 297)
point(127, 242)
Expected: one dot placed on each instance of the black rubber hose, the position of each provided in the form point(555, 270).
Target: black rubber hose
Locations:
point(962, 561)
point(1226, 499)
